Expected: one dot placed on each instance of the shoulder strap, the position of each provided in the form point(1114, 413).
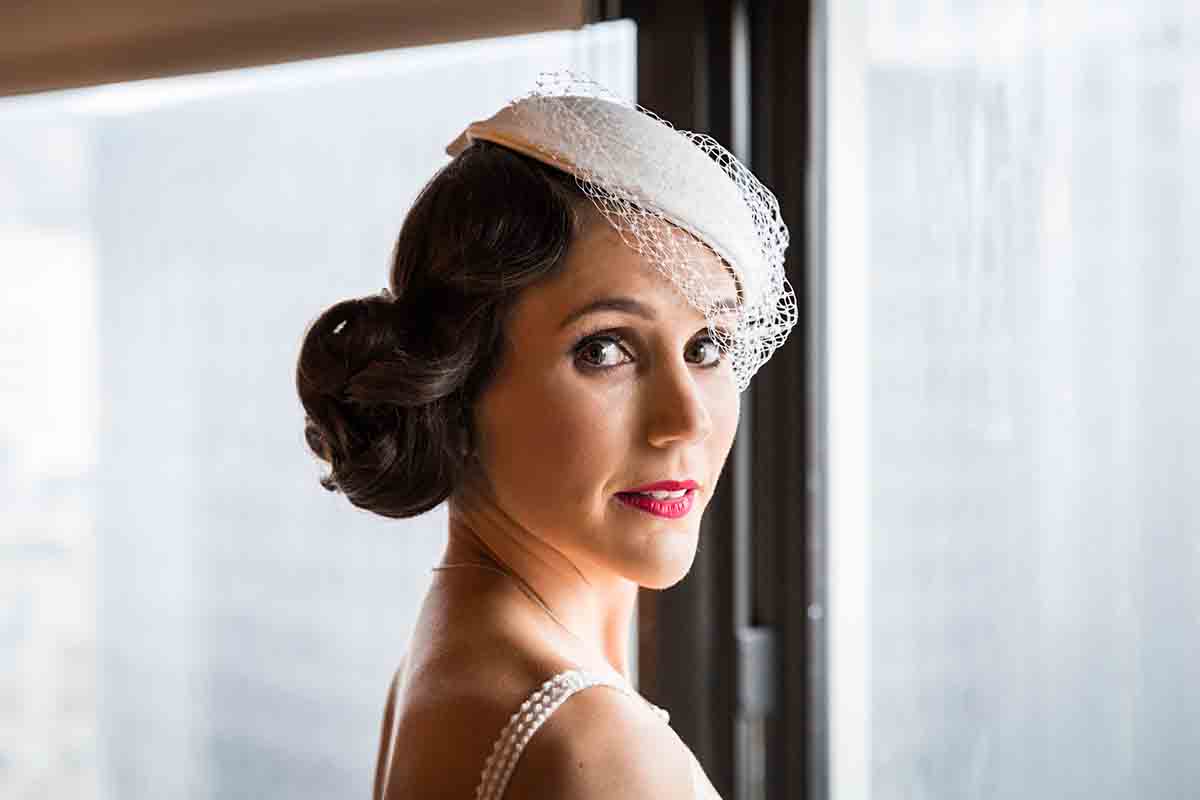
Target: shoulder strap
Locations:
point(525, 722)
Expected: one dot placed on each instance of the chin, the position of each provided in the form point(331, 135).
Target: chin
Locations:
point(666, 570)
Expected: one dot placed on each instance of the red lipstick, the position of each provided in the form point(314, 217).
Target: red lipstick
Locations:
point(671, 508)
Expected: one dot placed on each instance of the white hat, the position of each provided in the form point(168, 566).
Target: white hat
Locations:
point(639, 170)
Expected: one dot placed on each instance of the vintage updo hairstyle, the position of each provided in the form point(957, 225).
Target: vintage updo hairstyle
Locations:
point(388, 381)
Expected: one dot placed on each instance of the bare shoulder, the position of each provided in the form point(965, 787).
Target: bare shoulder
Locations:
point(445, 726)
point(448, 715)
point(470, 667)
point(602, 743)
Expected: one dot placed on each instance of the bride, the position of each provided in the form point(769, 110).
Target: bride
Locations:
point(575, 302)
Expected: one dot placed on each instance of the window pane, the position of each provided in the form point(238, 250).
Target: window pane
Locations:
point(184, 612)
point(1015, 576)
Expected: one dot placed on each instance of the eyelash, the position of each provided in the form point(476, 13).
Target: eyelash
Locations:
point(609, 335)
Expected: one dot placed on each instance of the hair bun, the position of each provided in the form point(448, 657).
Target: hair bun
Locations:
point(375, 400)
point(387, 381)
point(344, 339)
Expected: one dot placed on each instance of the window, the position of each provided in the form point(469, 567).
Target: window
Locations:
point(1014, 572)
point(184, 612)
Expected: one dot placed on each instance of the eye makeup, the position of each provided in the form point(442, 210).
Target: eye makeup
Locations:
point(620, 338)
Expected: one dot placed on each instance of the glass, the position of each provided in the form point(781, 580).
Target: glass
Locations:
point(1014, 568)
point(184, 611)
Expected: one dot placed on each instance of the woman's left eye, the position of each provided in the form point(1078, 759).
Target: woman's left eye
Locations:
point(715, 353)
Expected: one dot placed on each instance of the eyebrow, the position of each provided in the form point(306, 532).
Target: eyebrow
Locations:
point(632, 306)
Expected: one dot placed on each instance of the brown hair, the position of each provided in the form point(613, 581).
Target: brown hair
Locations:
point(388, 381)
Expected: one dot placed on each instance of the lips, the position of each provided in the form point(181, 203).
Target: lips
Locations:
point(671, 509)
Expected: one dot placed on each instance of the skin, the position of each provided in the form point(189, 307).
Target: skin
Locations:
point(556, 438)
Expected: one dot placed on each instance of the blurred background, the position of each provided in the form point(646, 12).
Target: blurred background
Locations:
point(957, 553)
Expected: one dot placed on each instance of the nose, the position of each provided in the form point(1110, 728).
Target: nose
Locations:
point(679, 408)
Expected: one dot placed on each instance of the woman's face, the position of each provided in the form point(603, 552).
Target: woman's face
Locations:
point(588, 405)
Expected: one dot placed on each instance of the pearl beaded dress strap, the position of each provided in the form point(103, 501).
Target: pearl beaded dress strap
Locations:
point(529, 717)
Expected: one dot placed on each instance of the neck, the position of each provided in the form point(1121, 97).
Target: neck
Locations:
point(595, 609)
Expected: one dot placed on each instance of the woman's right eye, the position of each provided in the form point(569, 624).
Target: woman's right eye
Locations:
point(599, 352)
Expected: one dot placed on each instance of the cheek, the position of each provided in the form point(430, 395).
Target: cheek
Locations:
point(554, 446)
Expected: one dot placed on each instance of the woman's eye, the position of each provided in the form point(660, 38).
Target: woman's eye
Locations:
point(714, 352)
point(604, 352)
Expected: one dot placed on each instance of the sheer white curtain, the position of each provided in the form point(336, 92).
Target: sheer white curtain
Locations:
point(1013, 295)
point(184, 612)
